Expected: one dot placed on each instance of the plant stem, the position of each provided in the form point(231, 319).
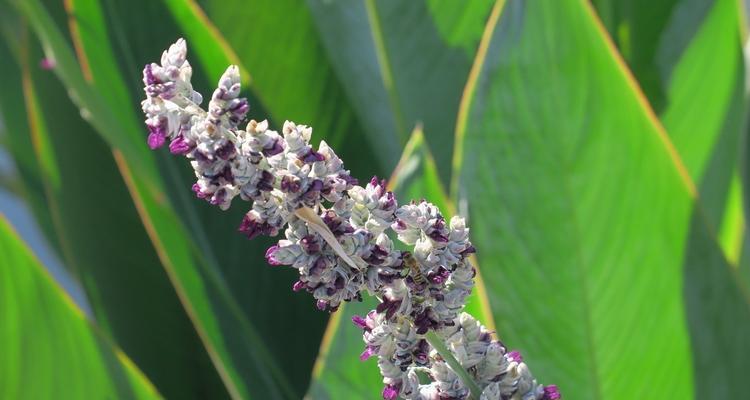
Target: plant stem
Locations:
point(438, 344)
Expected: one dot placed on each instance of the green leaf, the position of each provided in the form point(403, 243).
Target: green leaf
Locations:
point(50, 349)
point(402, 65)
point(653, 37)
point(20, 147)
point(132, 291)
point(687, 57)
point(718, 312)
point(233, 344)
point(580, 209)
point(338, 373)
point(287, 69)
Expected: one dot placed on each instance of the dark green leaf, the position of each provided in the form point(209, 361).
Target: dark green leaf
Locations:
point(402, 64)
point(121, 273)
point(50, 349)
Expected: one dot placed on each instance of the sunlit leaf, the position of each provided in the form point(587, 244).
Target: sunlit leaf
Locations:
point(61, 354)
point(402, 65)
point(580, 209)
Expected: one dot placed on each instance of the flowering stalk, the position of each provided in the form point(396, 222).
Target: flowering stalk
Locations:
point(339, 236)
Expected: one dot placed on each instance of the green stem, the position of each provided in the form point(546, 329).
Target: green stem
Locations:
point(438, 344)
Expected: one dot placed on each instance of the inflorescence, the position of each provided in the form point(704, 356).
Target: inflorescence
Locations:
point(336, 234)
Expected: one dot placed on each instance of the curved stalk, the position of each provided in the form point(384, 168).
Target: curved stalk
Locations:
point(437, 343)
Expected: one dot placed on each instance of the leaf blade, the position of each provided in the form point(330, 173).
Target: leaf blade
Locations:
point(93, 368)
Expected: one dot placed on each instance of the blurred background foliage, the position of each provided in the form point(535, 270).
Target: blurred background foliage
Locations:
point(597, 148)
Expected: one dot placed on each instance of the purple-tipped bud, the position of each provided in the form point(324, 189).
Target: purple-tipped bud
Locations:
point(269, 255)
point(148, 75)
point(299, 285)
point(226, 151)
point(219, 197)
point(439, 236)
point(266, 181)
point(312, 156)
point(348, 179)
point(310, 244)
point(274, 148)
point(250, 227)
point(551, 393)
point(47, 63)
point(440, 276)
point(470, 249)
point(198, 192)
point(369, 352)
point(180, 146)
point(390, 392)
point(514, 356)
point(156, 140)
point(321, 304)
point(359, 321)
point(290, 184)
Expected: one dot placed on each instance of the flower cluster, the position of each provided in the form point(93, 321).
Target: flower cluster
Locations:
point(340, 237)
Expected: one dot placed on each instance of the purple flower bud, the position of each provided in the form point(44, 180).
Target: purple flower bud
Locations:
point(148, 75)
point(219, 197)
point(440, 276)
point(269, 255)
point(198, 192)
point(313, 191)
point(156, 140)
point(273, 148)
point(390, 392)
point(312, 156)
point(226, 151)
point(514, 356)
point(180, 146)
point(318, 267)
point(47, 63)
point(439, 236)
point(551, 393)
point(369, 352)
point(359, 321)
point(290, 184)
point(266, 181)
point(322, 305)
point(348, 179)
point(310, 244)
point(250, 227)
point(470, 249)
point(299, 285)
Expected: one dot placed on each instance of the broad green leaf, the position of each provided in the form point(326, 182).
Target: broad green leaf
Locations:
point(688, 60)
point(121, 274)
point(338, 371)
point(732, 228)
point(718, 313)
point(232, 342)
point(240, 261)
point(652, 37)
point(50, 350)
point(401, 65)
point(580, 209)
